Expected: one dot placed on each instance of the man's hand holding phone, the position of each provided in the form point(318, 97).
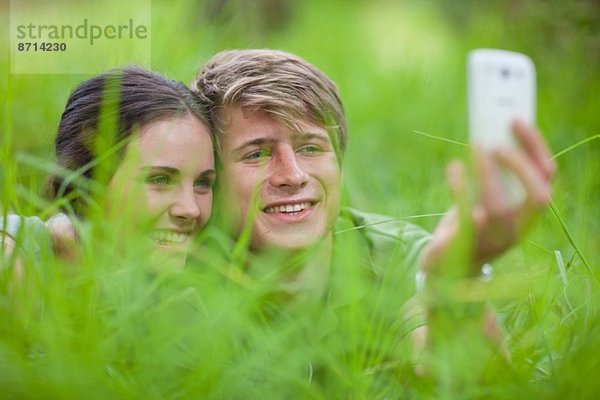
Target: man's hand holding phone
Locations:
point(513, 168)
point(513, 174)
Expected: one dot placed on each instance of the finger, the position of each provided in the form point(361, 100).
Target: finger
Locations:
point(455, 176)
point(537, 188)
point(536, 147)
point(457, 249)
point(491, 191)
point(457, 180)
point(64, 237)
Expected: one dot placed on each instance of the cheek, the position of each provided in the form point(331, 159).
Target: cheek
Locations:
point(133, 206)
point(238, 185)
point(205, 203)
point(126, 196)
point(328, 172)
point(153, 202)
point(334, 178)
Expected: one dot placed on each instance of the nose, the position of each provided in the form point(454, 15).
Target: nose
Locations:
point(185, 205)
point(286, 171)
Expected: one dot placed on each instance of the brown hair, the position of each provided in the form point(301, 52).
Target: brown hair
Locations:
point(132, 97)
point(279, 83)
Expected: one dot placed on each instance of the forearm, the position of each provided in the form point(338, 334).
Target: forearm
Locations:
point(460, 329)
point(10, 256)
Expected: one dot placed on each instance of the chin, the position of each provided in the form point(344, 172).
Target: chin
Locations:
point(167, 257)
point(291, 242)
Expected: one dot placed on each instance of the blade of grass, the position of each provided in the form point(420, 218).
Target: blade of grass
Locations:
point(572, 241)
point(574, 146)
point(441, 138)
point(358, 227)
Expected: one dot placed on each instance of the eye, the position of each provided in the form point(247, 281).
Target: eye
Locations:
point(257, 155)
point(310, 148)
point(203, 183)
point(159, 180)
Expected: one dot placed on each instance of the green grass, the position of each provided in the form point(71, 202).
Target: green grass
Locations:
point(107, 329)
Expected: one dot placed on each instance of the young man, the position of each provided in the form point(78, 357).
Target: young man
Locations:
point(282, 134)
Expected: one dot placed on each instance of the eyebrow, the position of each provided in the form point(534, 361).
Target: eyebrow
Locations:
point(310, 135)
point(174, 171)
point(170, 170)
point(261, 141)
point(208, 172)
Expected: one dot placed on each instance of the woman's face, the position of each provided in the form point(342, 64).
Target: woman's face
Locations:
point(163, 186)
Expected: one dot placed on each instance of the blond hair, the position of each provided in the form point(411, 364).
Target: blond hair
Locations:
point(278, 83)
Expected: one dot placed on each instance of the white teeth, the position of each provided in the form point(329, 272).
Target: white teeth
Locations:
point(288, 208)
point(168, 237)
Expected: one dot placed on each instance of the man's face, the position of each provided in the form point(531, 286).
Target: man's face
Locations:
point(290, 179)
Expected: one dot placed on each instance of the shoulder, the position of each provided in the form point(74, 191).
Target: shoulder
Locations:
point(389, 239)
point(381, 229)
point(15, 225)
point(30, 233)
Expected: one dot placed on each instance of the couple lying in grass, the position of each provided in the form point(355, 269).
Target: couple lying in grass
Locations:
point(269, 128)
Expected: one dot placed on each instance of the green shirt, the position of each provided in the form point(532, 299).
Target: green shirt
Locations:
point(376, 248)
point(388, 239)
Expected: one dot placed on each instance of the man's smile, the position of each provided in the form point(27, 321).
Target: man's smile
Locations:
point(290, 211)
point(291, 207)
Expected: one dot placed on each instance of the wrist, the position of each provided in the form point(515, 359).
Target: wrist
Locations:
point(455, 297)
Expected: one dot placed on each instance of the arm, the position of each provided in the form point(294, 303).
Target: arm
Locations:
point(12, 252)
point(8, 251)
point(473, 234)
point(23, 238)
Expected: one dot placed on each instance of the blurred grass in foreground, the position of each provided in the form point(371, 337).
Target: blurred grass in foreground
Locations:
point(107, 329)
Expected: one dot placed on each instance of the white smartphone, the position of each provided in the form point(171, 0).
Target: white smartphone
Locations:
point(501, 89)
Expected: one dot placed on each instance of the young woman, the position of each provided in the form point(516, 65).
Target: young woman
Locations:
point(135, 146)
